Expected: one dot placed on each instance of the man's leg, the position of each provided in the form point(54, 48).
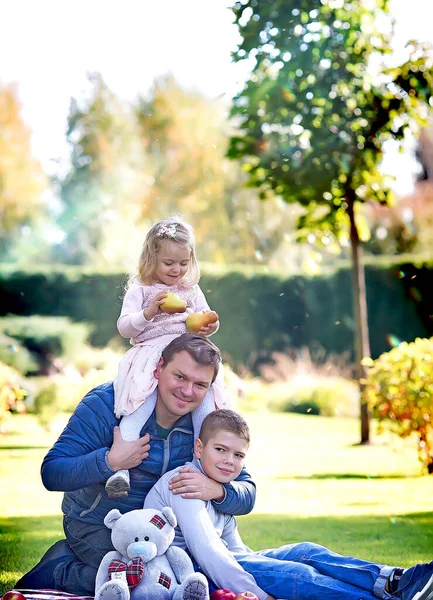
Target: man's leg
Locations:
point(309, 572)
point(90, 543)
point(71, 565)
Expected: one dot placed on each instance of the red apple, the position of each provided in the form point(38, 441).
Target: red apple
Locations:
point(13, 595)
point(246, 596)
point(222, 595)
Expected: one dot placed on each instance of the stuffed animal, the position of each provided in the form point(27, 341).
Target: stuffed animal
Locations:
point(144, 566)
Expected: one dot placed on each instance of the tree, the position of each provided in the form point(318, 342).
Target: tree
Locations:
point(185, 136)
point(103, 190)
point(316, 113)
point(23, 183)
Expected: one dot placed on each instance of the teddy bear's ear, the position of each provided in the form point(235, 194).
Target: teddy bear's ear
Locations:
point(169, 515)
point(111, 517)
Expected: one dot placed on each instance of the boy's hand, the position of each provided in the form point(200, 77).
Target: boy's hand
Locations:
point(209, 329)
point(192, 484)
point(154, 307)
point(126, 455)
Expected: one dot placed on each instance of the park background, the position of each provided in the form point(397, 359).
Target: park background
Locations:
point(114, 116)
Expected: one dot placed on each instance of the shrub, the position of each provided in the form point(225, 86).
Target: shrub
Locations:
point(320, 395)
point(11, 394)
point(46, 338)
point(15, 355)
point(399, 391)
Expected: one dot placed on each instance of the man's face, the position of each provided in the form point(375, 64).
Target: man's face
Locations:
point(223, 455)
point(182, 386)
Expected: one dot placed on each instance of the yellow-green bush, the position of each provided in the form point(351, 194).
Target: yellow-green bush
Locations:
point(11, 394)
point(399, 391)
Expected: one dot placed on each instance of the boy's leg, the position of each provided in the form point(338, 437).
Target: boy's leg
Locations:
point(287, 579)
point(360, 573)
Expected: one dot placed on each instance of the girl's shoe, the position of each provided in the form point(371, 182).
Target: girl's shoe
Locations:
point(117, 485)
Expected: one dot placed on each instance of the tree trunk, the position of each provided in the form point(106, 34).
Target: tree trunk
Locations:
point(362, 343)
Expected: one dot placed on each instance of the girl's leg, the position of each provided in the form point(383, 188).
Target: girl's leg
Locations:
point(288, 579)
point(118, 485)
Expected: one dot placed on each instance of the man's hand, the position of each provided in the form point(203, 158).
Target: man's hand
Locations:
point(192, 484)
point(126, 455)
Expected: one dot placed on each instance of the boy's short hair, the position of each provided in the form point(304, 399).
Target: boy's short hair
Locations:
point(224, 420)
point(200, 349)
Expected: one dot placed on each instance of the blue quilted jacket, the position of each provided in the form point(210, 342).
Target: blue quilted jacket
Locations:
point(76, 464)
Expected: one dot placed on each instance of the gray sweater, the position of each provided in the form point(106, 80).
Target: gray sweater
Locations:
point(211, 536)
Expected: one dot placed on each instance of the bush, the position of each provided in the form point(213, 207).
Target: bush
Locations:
point(399, 391)
point(15, 355)
point(46, 338)
point(62, 392)
point(11, 394)
point(320, 395)
point(260, 312)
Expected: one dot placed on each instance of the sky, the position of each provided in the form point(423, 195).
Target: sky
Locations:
point(48, 46)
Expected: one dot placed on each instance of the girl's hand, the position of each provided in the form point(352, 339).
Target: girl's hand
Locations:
point(154, 307)
point(209, 329)
point(192, 484)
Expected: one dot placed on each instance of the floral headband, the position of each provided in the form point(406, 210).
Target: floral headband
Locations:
point(168, 230)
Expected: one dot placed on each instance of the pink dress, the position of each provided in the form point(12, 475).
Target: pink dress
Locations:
point(135, 379)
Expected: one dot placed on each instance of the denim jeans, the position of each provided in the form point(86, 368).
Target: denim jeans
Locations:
point(71, 565)
point(307, 571)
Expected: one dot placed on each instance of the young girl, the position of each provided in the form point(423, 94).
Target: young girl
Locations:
point(167, 263)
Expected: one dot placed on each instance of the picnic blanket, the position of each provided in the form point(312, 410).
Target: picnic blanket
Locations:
point(48, 595)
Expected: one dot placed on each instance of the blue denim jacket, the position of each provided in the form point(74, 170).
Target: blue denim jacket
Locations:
point(76, 464)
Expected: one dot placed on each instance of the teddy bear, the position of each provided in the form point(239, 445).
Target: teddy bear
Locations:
point(144, 566)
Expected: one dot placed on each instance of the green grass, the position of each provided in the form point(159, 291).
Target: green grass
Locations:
point(314, 483)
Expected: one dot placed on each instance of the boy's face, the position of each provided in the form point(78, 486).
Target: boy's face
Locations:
point(222, 457)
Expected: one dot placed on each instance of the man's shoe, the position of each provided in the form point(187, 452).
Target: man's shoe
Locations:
point(117, 485)
point(41, 576)
point(416, 583)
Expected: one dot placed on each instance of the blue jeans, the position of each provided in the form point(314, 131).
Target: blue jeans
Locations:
point(71, 564)
point(307, 571)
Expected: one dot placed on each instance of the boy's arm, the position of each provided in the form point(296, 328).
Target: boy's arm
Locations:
point(208, 549)
point(77, 459)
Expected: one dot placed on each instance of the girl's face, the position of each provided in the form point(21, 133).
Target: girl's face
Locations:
point(172, 262)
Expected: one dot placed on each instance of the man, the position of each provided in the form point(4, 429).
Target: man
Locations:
point(90, 450)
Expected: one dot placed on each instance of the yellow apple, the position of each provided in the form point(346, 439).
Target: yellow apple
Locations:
point(173, 304)
point(198, 320)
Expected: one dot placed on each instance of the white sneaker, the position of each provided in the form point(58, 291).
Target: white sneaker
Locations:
point(117, 485)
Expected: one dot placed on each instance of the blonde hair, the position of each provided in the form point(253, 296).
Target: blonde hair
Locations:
point(176, 230)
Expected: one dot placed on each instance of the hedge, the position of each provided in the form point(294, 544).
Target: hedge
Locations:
point(260, 312)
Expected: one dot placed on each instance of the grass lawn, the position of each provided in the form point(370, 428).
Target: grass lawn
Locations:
point(314, 483)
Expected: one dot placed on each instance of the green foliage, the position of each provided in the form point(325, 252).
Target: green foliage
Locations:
point(46, 337)
point(260, 313)
point(314, 115)
point(15, 355)
point(61, 393)
point(11, 394)
point(326, 396)
point(102, 191)
point(399, 390)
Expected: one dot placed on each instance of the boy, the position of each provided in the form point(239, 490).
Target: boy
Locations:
point(305, 571)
